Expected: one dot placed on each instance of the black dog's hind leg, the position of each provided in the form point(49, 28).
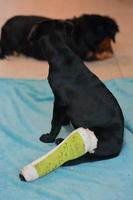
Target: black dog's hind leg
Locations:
point(109, 146)
point(59, 115)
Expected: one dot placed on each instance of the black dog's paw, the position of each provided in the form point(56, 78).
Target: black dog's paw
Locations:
point(46, 138)
point(58, 141)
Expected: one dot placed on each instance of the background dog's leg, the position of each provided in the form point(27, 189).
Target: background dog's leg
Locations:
point(59, 115)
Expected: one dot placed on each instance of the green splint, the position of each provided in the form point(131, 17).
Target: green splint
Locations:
point(75, 145)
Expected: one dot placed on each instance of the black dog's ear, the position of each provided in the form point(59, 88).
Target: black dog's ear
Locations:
point(34, 33)
point(76, 33)
point(40, 29)
point(64, 25)
point(69, 27)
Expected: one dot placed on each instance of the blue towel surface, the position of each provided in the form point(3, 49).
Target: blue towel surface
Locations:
point(25, 113)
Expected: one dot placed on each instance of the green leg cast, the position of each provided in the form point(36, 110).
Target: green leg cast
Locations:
point(75, 145)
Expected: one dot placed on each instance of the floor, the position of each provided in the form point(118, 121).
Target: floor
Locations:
point(121, 65)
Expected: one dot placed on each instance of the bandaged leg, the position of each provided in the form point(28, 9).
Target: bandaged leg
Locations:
point(75, 145)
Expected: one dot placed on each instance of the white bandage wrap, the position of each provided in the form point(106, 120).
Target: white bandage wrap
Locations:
point(29, 173)
point(90, 140)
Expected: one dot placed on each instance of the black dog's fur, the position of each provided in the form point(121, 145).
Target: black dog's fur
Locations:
point(89, 31)
point(80, 97)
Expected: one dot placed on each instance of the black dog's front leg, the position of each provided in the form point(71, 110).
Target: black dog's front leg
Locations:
point(59, 115)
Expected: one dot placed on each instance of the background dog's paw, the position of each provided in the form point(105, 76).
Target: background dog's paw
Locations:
point(58, 141)
point(46, 138)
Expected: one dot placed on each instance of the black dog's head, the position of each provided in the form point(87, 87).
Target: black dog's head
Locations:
point(49, 32)
point(48, 27)
point(96, 33)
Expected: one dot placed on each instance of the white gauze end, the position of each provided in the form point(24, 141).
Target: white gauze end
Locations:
point(90, 140)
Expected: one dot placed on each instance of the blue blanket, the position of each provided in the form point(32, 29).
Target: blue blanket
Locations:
point(25, 114)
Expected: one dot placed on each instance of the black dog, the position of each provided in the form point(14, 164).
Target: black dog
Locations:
point(80, 97)
point(90, 39)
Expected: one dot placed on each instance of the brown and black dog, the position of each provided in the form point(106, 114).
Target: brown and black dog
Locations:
point(89, 36)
